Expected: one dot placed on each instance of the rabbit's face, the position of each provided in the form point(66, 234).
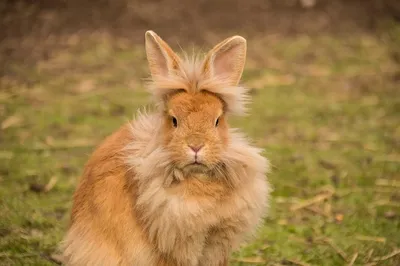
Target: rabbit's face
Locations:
point(195, 95)
point(196, 130)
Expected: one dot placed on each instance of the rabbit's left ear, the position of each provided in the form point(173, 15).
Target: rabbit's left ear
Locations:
point(162, 59)
point(226, 60)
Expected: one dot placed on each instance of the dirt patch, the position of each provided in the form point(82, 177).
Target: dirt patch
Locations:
point(31, 30)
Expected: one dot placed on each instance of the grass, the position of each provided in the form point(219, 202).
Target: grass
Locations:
point(326, 110)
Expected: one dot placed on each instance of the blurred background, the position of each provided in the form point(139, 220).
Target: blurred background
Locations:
point(325, 80)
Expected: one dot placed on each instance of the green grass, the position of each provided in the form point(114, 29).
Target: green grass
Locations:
point(326, 110)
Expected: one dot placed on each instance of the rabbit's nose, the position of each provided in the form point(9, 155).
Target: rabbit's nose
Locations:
point(196, 148)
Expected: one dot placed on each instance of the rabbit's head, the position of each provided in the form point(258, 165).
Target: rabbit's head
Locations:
point(194, 96)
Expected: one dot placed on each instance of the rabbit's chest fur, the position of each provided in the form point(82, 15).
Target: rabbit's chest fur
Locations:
point(182, 219)
point(196, 215)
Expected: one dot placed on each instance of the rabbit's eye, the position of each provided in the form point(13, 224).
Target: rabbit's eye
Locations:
point(174, 122)
point(217, 122)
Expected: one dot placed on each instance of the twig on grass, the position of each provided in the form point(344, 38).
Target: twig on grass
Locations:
point(49, 186)
point(335, 248)
point(369, 255)
point(251, 260)
point(371, 238)
point(296, 262)
point(317, 211)
point(394, 253)
point(311, 201)
point(353, 259)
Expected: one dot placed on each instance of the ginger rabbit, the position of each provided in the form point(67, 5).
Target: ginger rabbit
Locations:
point(177, 186)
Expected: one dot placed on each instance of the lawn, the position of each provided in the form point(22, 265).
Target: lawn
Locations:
point(326, 109)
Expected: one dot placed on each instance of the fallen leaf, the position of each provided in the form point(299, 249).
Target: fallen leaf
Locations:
point(11, 121)
point(339, 217)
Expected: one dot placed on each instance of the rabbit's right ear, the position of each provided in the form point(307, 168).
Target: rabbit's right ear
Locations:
point(162, 59)
point(226, 60)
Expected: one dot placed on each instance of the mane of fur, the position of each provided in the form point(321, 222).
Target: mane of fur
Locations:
point(191, 78)
point(149, 158)
point(169, 219)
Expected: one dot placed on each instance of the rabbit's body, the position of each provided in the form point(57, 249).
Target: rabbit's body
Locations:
point(145, 198)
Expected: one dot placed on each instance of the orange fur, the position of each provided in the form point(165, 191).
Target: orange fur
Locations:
point(147, 197)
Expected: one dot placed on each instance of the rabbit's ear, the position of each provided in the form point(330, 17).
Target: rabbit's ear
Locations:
point(162, 59)
point(226, 60)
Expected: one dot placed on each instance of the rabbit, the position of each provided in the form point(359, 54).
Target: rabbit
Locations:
point(178, 185)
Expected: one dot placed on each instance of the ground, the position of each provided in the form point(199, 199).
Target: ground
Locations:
point(326, 105)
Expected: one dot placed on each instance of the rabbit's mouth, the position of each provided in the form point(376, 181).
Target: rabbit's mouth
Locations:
point(197, 163)
point(195, 166)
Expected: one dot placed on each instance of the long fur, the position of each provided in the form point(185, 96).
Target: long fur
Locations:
point(134, 206)
point(191, 78)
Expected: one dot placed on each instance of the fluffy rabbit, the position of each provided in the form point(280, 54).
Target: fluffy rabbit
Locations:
point(178, 186)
